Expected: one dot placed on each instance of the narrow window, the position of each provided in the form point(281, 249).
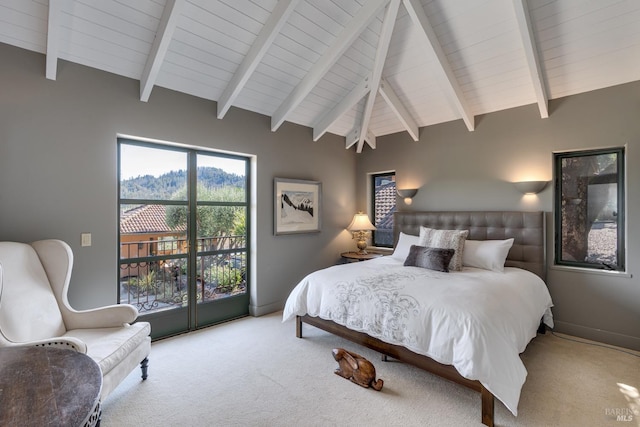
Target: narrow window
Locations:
point(589, 209)
point(383, 197)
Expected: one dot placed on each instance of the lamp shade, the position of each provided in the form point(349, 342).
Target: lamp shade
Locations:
point(407, 193)
point(530, 187)
point(361, 222)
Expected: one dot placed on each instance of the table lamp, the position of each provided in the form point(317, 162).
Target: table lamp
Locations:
point(361, 228)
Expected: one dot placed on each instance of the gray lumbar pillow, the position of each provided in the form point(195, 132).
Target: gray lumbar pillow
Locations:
point(432, 258)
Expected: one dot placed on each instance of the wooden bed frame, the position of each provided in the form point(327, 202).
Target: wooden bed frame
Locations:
point(528, 252)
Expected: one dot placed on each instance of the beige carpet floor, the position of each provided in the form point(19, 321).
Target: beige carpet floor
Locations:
point(255, 372)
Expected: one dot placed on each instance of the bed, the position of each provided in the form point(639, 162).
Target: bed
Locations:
point(468, 326)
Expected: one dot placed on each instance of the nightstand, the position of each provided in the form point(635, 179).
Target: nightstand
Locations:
point(354, 256)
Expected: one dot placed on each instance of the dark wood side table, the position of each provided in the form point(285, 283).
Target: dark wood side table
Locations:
point(46, 386)
point(355, 256)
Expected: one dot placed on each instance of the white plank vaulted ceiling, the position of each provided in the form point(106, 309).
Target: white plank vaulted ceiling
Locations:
point(355, 68)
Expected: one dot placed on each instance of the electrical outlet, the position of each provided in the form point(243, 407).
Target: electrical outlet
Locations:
point(85, 239)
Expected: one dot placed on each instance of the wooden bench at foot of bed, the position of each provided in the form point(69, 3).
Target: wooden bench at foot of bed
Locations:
point(404, 355)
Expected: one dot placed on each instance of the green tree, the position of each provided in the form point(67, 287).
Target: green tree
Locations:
point(212, 221)
point(240, 223)
point(578, 173)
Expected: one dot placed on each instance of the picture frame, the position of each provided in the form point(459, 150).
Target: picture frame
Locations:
point(297, 206)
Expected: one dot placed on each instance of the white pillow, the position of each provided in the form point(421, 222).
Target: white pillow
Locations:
point(445, 239)
point(486, 254)
point(404, 245)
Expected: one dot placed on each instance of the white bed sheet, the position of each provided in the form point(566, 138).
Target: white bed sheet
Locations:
point(477, 320)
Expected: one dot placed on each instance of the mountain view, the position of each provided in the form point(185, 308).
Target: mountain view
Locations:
point(164, 186)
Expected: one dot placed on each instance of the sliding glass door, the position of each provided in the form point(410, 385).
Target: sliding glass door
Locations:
point(183, 218)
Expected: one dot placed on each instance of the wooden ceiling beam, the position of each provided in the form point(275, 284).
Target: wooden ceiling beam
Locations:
point(369, 138)
point(388, 24)
point(448, 79)
point(523, 21)
point(345, 39)
point(256, 52)
point(159, 48)
point(352, 137)
point(53, 26)
point(346, 104)
point(394, 102)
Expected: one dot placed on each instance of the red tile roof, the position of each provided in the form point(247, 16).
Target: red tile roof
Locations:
point(386, 202)
point(146, 219)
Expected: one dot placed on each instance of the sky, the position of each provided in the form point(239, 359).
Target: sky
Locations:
point(137, 161)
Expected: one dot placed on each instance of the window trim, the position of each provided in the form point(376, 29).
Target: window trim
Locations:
point(575, 266)
point(372, 204)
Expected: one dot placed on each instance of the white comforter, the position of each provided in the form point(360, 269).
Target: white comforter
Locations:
point(477, 320)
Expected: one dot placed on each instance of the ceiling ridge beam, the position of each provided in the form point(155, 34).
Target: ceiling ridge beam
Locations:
point(53, 29)
point(401, 111)
point(256, 52)
point(343, 41)
point(449, 81)
point(523, 20)
point(347, 103)
point(388, 24)
point(159, 48)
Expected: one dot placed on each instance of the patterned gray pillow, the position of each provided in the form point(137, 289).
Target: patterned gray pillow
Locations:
point(432, 258)
point(445, 239)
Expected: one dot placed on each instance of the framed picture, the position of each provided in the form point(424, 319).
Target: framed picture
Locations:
point(296, 206)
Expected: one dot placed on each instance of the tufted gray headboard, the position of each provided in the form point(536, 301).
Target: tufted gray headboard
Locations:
point(527, 228)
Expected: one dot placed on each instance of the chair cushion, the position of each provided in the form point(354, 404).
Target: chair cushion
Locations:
point(109, 346)
point(30, 310)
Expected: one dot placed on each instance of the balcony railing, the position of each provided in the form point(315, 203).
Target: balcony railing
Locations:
point(153, 273)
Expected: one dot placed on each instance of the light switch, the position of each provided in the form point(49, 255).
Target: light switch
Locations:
point(85, 239)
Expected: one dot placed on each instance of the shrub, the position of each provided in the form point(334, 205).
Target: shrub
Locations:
point(227, 279)
point(146, 282)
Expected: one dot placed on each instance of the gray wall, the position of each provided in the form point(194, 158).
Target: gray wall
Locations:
point(58, 168)
point(58, 172)
point(458, 169)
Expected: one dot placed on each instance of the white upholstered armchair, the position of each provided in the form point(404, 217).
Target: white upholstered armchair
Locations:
point(34, 310)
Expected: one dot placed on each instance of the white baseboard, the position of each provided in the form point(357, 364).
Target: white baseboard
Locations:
point(607, 337)
point(261, 310)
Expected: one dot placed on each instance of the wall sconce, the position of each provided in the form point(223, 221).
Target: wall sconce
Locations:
point(407, 194)
point(361, 228)
point(530, 187)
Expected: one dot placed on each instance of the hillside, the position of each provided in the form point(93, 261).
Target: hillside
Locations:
point(164, 186)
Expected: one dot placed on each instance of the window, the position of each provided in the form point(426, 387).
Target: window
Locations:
point(589, 209)
point(383, 198)
point(184, 235)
